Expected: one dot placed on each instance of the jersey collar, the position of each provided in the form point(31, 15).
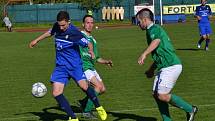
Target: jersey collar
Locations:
point(86, 34)
point(150, 25)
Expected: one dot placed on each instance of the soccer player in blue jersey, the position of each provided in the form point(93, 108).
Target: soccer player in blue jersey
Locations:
point(68, 63)
point(203, 14)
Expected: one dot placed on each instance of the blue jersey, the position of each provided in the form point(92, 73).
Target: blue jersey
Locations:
point(67, 46)
point(204, 12)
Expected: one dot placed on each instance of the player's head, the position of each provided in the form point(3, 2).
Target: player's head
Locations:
point(145, 17)
point(5, 14)
point(88, 23)
point(203, 2)
point(63, 20)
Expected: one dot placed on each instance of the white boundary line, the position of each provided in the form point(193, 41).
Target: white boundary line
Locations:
point(132, 110)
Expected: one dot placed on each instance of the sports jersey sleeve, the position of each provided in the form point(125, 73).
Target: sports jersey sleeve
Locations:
point(197, 11)
point(77, 38)
point(83, 42)
point(155, 34)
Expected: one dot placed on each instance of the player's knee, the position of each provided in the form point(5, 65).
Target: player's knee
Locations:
point(101, 88)
point(164, 97)
point(55, 92)
point(204, 37)
point(83, 85)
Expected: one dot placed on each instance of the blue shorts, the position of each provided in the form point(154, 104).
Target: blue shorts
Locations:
point(205, 29)
point(63, 75)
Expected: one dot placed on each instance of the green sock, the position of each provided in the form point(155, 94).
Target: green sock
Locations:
point(90, 105)
point(164, 110)
point(180, 103)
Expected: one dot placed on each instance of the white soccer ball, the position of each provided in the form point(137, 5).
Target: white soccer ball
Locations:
point(97, 27)
point(38, 89)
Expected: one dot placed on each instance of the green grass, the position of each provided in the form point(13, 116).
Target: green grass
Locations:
point(128, 96)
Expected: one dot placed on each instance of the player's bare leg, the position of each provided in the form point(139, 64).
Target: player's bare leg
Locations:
point(163, 100)
point(98, 85)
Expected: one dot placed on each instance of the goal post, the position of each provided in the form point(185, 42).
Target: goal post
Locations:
point(161, 12)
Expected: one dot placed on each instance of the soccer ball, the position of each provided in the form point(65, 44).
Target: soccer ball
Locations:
point(38, 89)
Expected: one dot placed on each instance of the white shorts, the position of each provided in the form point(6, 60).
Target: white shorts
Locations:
point(90, 74)
point(166, 78)
point(9, 25)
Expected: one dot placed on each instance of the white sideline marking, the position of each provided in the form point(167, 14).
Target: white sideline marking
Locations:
point(132, 110)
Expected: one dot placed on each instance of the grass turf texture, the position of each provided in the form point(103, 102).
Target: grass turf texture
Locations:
point(128, 96)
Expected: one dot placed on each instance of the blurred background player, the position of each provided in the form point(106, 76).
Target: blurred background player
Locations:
point(68, 63)
point(166, 62)
point(89, 66)
point(203, 14)
point(7, 22)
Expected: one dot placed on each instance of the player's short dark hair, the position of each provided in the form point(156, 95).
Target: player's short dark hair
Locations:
point(86, 17)
point(63, 15)
point(145, 13)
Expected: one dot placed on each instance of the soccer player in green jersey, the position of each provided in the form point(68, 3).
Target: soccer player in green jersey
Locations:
point(89, 66)
point(166, 62)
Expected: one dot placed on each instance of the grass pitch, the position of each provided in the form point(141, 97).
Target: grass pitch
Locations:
point(128, 96)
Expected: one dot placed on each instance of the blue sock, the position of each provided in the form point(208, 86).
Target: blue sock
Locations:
point(207, 42)
point(64, 104)
point(200, 41)
point(91, 94)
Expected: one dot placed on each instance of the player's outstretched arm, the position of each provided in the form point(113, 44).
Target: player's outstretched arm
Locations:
point(41, 37)
point(150, 48)
point(104, 61)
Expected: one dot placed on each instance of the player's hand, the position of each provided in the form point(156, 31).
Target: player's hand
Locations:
point(109, 63)
point(33, 43)
point(141, 59)
point(149, 73)
point(210, 16)
point(199, 18)
point(91, 54)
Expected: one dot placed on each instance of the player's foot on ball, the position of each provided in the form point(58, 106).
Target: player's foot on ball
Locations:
point(190, 116)
point(102, 113)
point(70, 119)
point(89, 115)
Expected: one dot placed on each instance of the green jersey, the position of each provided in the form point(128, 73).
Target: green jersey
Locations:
point(164, 55)
point(88, 62)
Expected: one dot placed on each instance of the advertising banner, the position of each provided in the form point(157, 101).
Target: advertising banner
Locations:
point(138, 8)
point(183, 9)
